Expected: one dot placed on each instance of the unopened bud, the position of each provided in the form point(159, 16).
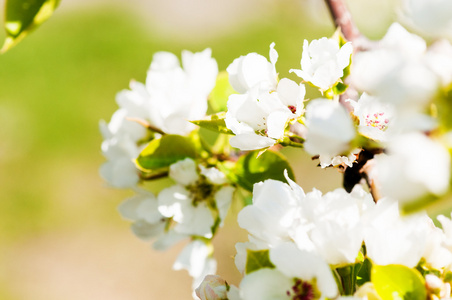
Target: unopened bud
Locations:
point(213, 287)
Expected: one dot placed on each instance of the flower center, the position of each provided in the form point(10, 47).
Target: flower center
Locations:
point(377, 120)
point(202, 191)
point(302, 290)
point(292, 108)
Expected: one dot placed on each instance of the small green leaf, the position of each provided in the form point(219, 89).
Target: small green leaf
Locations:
point(160, 153)
point(396, 282)
point(339, 37)
point(22, 16)
point(219, 96)
point(256, 260)
point(443, 109)
point(339, 88)
point(251, 169)
point(214, 122)
point(364, 269)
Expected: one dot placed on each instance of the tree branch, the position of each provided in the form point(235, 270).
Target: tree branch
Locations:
point(343, 19)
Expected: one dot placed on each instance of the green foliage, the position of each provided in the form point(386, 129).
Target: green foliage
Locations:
point(395, 282)
point(219, 96)
point(251, 168)
point(214, 122)
point(363, 270)
point(443, 109)
point(22, 16)
point(162, 152)
point(256, 260)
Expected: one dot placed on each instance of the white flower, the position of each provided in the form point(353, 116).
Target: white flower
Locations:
point(396, 71)
point(429, 17)
point(120, 148)
point(142, 209)
point(184, 172)
point(439, 59)
point(391, 239)
point(337, 228)
point(414, 166)
point(253, 70)
point(196, 259)
point(259, 117)
point(194, 202)
point(437, 253)
point(178, 95)
point(334, 161)
point(330, 128)
point(273, 213)
point(374, 116)
point(330, 225)
point(323, 62)
point(295, 272)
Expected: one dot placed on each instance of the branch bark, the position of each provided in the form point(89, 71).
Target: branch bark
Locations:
point(343, 19)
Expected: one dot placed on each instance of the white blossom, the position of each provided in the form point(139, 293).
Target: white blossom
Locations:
point(323, 62)
point(142, 210)
point(120, 148)
point(330, 128)
point(197, 260)
point(191, 201)
point(273, 214)
point(337, 226)
point(295, 272)
point(392, 239)
point(259, 117)
point(253, 70)
point(414, 167)
point(437, 254)
point(439, 59)
point(396, 71)
point(374, 116)
point(176, 94)
point(326, 160)
point(428, 17)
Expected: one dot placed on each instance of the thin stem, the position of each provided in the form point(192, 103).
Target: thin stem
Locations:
point(145, 176)
point(146, 125)
point(347, 279)
point(366, 172)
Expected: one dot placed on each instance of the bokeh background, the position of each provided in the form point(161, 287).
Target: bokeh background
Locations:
point(61, 236)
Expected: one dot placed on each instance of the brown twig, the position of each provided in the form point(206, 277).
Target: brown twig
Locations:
point(145, 176)
point(343, 19)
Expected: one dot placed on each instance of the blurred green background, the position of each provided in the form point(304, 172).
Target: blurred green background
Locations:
point(60, 234)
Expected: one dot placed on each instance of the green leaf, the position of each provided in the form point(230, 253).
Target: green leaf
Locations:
point(219, 96)
point(22, 16)
point(363, 270)
point(395, 282)
point(256, 260)
point(339, 88)
point(214, 122)
point(339, 37)
point(443, 109)
point(160, 153)
point(251, 169)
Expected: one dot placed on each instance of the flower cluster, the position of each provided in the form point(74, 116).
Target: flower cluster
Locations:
point(380, 116)
point(310, 237)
